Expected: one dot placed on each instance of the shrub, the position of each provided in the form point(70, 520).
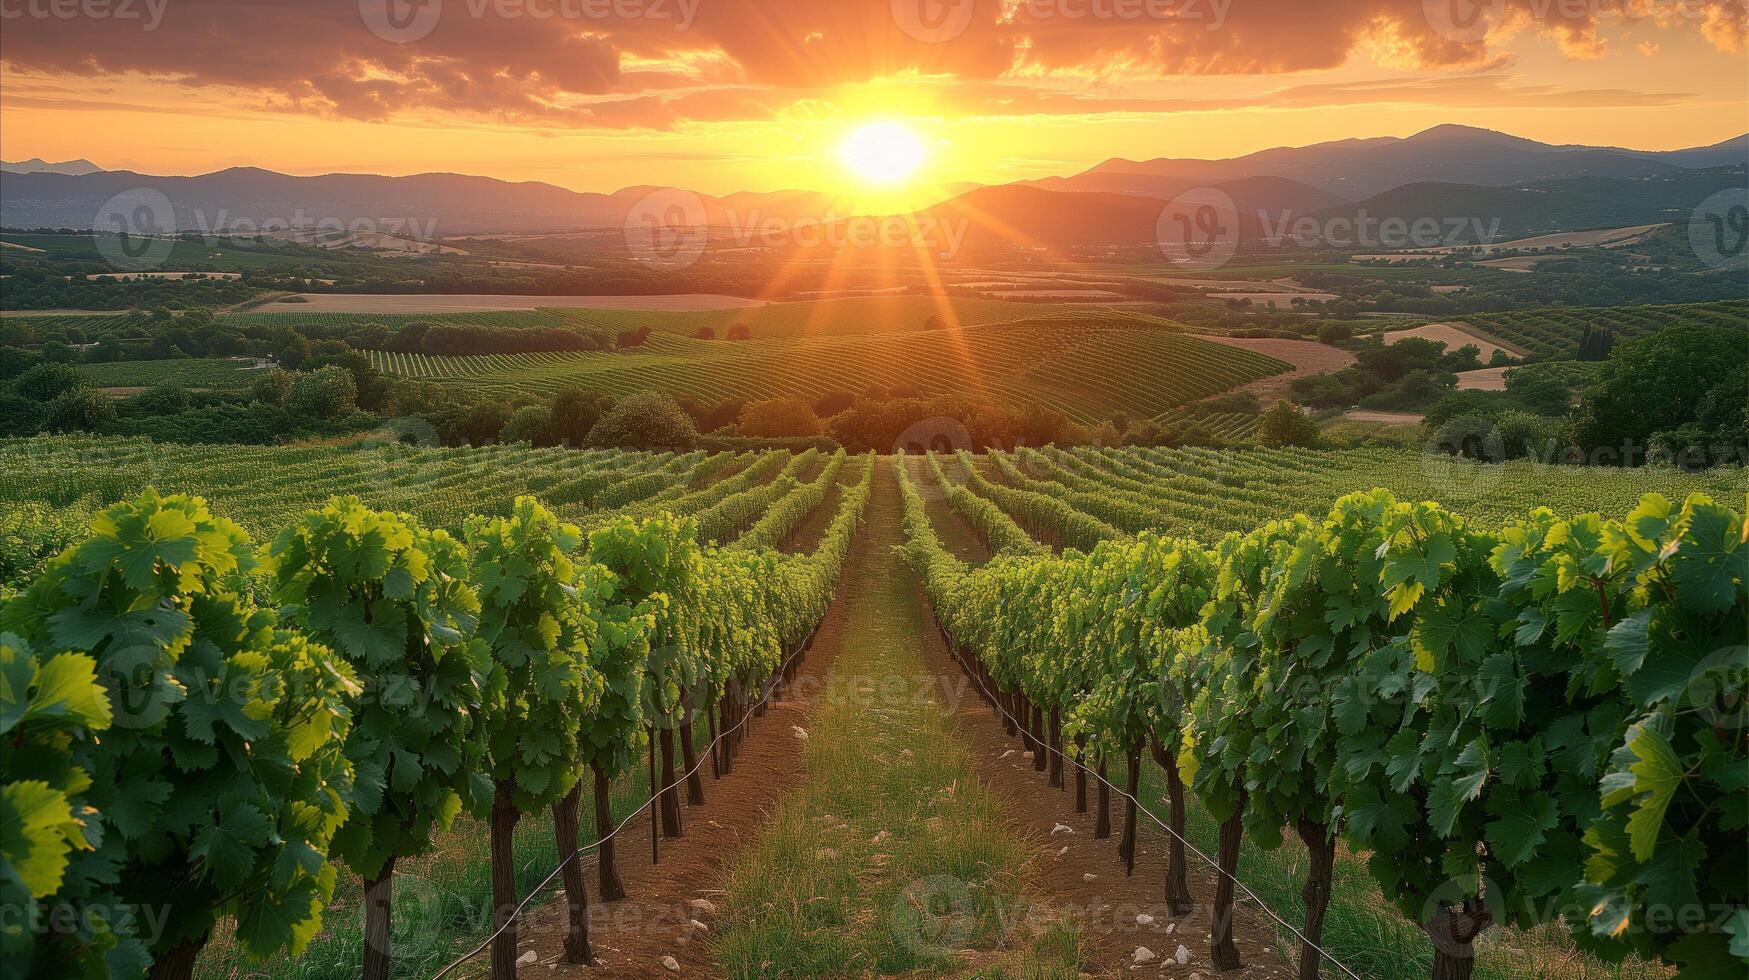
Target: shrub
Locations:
point(271, 386)
point(1657, 384)
point(78, 410)
point(326, 393)
point(575, 412)
point(1285, 425)
point(532, 424)
point(45, 382)
point(778, 418)
point(645, 421)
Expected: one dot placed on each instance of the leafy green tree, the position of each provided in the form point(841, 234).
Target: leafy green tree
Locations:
point(78, 410)
point(14, 361)
point(325, 393)
point(645, 421)
point(779, 418)
point(539, 617)
point(271, 386)
point(1656, 384)
point(393, 599)
point(45, 382)
point(291, 351)
point(1285, 425)
point(219, 786)
point(575, 412)
point(158, 400)
point(532, 424)
point(482, 422)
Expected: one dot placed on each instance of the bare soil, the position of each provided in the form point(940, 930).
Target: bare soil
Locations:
point(630, 937)
point(1307, 357)
point(1486, 379)
point(1454, 335)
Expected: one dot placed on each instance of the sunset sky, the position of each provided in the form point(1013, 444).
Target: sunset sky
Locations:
point(725, 95)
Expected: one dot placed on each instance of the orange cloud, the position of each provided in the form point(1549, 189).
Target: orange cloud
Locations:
point(657, 64)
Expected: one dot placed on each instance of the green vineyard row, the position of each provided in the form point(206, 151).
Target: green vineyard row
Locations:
point(200, 727)
point(1532, 720)
point(1555, 331)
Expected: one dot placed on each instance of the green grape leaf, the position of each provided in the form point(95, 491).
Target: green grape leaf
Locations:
point(1520, 825)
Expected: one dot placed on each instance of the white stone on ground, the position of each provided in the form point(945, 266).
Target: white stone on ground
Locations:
point(1144, 955)
point(1182, 956)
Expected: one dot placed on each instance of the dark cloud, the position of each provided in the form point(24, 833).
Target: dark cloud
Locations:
point(658, 63)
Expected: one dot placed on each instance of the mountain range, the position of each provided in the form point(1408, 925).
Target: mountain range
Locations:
point(37, 165)
point(1443, 172)
point(1359, 168)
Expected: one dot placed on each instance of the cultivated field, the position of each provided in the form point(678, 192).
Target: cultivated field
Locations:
point(1556, 331)
point(461, 303)
point(1087, 374)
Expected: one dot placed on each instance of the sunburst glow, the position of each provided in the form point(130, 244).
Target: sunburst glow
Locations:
point(885, 154)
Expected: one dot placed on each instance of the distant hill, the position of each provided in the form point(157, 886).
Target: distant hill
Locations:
point(1357, 168)
point(1567, 204)
point(1446, 170)
point(1248, 193)
point(37, 165)
point(1028, 217)
point(446, 204)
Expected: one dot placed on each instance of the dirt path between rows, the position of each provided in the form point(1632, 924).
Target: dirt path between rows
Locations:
point(1073, 871)
point(631, 937)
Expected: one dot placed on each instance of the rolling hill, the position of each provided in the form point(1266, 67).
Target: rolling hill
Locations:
point(433, 204)
point(1567, 204)
point(1356, 168)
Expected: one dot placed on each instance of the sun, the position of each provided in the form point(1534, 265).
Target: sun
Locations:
point(882, 153)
